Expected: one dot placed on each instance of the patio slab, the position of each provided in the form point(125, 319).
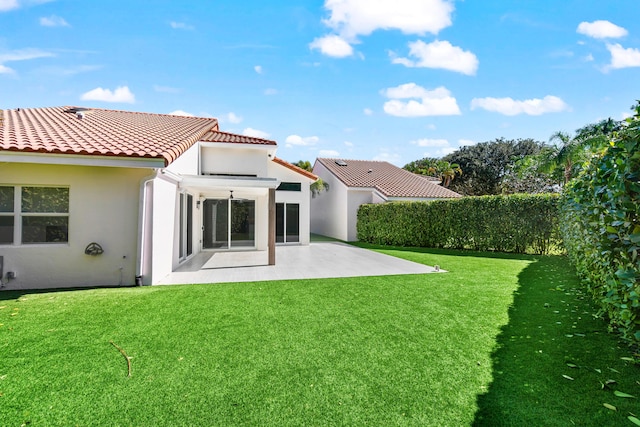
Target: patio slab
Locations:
point(316, 261)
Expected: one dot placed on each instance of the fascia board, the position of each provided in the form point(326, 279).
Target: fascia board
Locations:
point(80, 160)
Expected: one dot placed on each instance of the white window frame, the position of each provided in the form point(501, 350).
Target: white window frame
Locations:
point(18, 215)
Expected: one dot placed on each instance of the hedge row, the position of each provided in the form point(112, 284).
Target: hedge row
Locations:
point(600, 217)
point(514, 223)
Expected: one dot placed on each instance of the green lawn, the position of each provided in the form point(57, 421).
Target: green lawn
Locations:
point(486, 344)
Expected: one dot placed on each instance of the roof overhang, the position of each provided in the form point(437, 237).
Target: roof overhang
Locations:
point(81, 160)
point(207, 182)
point(270, 149)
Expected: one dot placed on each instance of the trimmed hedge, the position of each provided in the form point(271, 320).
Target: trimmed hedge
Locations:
point(514, 223)
point(600, 217)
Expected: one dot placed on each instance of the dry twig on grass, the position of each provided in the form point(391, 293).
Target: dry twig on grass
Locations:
point(125, 356)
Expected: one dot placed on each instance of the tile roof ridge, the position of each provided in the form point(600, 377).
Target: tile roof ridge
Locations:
point(243, 136)
point(295, 168)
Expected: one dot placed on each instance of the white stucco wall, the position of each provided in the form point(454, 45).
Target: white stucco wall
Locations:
point(329, 208)
point(187, 163)
point(355, 198)
point(103, 208)
point(234, 159)
point(301, 197)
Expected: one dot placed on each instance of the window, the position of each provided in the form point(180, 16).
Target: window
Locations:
point(34, 215)
point(289, 186)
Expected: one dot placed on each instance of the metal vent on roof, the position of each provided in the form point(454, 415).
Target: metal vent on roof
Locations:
point(76, 110)
point(341, 162)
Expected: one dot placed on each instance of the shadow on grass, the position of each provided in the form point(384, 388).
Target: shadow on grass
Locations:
point(18, 293)
point(553, 357)
point(452, 252)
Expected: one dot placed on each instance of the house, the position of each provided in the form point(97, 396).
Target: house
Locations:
point(353, 182)
point(95, 197)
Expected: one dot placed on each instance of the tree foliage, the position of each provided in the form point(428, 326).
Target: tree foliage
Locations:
point(600, 223)
point(444, 171)
point(486, 164)
point(563, 159)
point(318, 186)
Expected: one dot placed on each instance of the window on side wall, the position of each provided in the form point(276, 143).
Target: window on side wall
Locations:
point(34, 215)
point(289, 186)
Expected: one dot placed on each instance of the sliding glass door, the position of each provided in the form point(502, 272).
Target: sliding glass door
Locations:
point(287, 222)
point(228, 223)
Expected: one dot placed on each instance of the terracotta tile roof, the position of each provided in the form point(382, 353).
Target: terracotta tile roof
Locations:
point(295, 168)
point(218, 136)
point(101, 132)
point(388, 179)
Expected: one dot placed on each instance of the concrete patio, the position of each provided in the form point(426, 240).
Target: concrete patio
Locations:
point(316, 261)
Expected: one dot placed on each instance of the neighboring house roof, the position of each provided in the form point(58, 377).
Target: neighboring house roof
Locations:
point(98, 132)
point(295, 168)
point(218, 136)
point(389, 180)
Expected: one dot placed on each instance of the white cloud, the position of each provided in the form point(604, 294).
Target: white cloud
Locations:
point(258, 69)
point(425, 142)
point(437, 102)
point(589, 58)
point(601, 30)
point(181, 113)
point(332, 45)
point(328, 153)
point(230, 117)
point(270, 91)
point(439, 54)
point(24, 55)
point(511, 107)
point(465, 142)
point(301, 141)
point(6, 5)
point(348, 143)
point(255, 133)
point(181, 26)
point(368, 112)
point(623, 58)
point(6, 70)
point(121, 94)
point(444, 151)
point(53, 21)
point(351, 18)
point(386, 156)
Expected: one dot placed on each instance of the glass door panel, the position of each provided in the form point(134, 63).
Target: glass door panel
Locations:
point(243, 220)
point(215, 224)
point(279, 222)
point(293, 222)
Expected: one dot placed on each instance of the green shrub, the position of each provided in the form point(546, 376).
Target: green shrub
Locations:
point(600, 217)
point(514, 223)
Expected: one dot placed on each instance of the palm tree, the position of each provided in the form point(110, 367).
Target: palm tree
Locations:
point(569, 153)
point(317, 187)
point(437, 168)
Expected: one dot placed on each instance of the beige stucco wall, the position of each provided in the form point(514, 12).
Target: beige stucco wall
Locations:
point(103, 208)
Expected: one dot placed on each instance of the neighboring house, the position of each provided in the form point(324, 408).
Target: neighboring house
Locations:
point(94, 197)
point(351, 183)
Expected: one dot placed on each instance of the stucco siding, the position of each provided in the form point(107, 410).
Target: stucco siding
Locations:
point(234, 160)
point(329, 208)
point(103, 207)
point(356, 197)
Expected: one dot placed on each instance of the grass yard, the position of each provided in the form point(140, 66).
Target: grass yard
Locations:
point(499, 340)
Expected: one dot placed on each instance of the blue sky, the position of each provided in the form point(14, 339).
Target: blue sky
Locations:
point(392, 80)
